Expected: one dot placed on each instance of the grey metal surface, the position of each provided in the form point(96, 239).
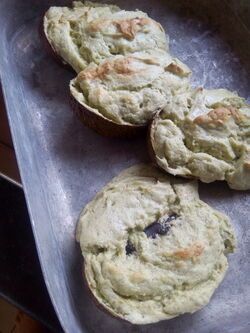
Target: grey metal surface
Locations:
point(63, 164)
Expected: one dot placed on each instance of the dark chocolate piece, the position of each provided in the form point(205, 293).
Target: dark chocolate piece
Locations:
point(159, 228)
point(154, 229)
point(130, 248)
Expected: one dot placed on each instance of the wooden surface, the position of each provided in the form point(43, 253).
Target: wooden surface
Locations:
point(8, 163)
point(13, 320)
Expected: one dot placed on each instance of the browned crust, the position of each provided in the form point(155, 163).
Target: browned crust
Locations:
point(175, 69)
point(151, 151)
point(104, 126)
point(95, 300)
point(218, 116)
point(121, 66)
point(127, 27)
point(49, 48)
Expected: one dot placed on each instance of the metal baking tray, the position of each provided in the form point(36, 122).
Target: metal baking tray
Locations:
point(63, 164)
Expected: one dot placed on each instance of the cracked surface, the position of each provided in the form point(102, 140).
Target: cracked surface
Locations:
point(91, 32)
point(128, 90)
point(205, 134)
point(173, 273)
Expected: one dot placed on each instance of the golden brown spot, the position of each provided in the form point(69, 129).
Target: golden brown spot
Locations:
point(129, 27)
point(121, 66)
point(175, 69)
point(218, 116)
point(99, 25)
point(194, 250)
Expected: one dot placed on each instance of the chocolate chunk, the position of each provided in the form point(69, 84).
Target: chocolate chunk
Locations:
point(159, 228)
point(154, 229)
point(130, 248)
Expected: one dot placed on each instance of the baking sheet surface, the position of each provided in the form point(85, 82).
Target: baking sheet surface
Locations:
point(63, 164)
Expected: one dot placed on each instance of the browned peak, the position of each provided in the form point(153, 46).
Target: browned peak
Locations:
point(118, 66)
point(218, 116)
point(127, 27)
point(175, 69)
